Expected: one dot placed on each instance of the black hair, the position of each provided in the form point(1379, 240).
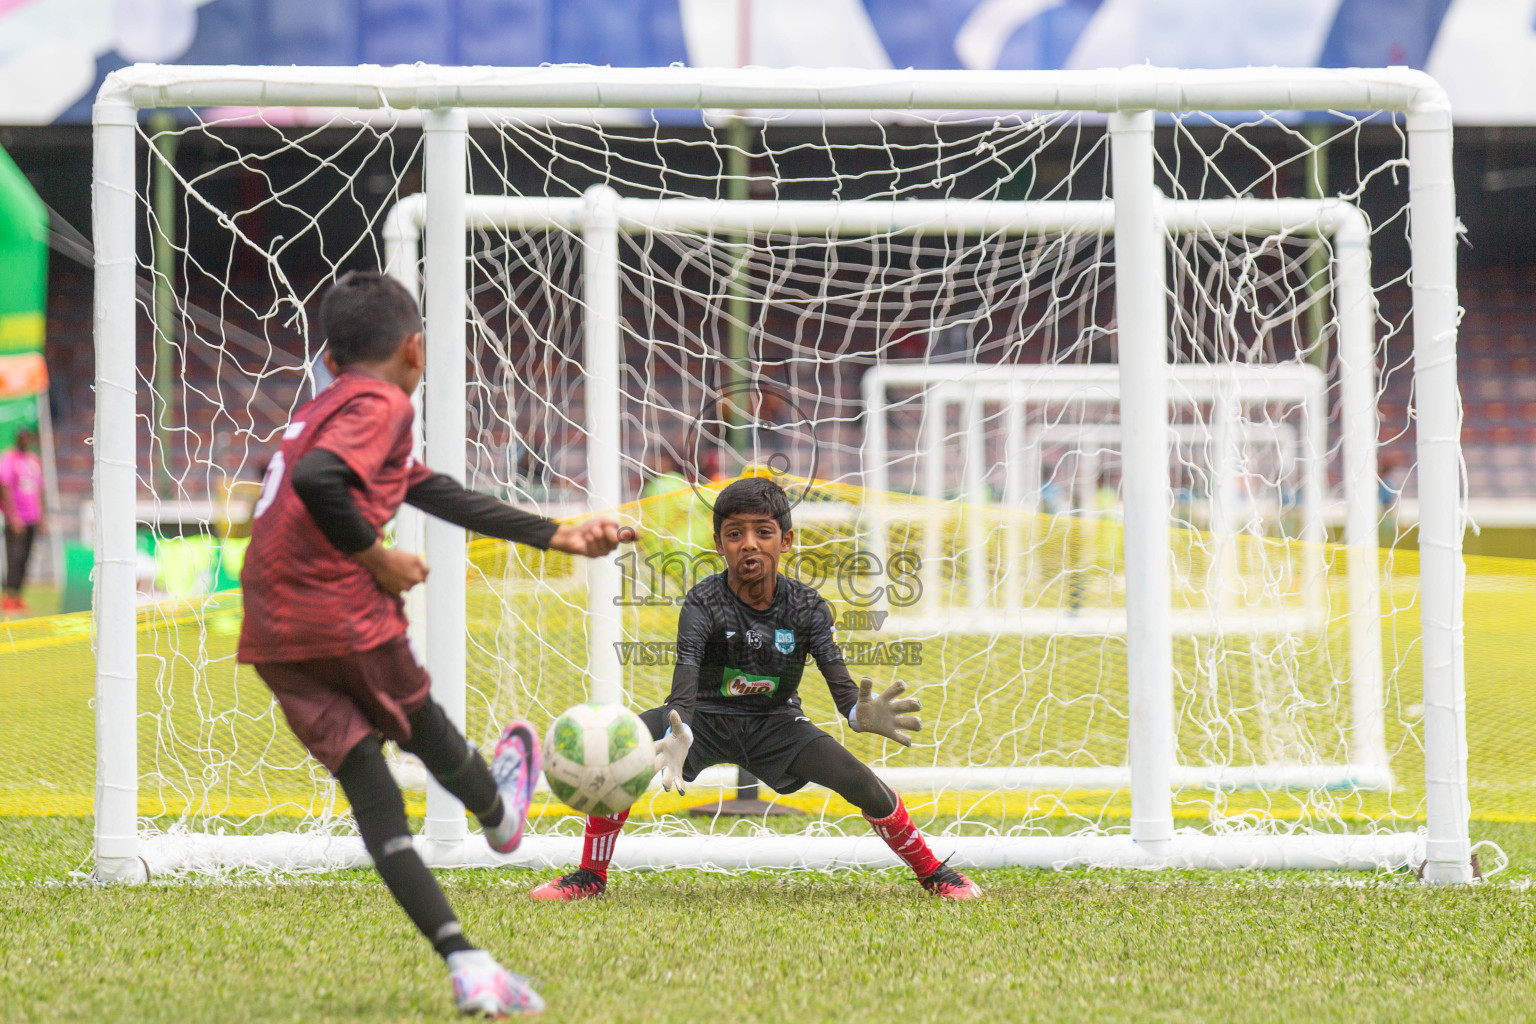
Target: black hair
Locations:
point(756, 495)
point(366, 316)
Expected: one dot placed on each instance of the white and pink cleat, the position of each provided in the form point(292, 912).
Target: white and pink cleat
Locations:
point(515, 767)
point(483, 987)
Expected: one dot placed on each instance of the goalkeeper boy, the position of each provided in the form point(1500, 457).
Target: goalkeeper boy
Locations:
point(742, 641)
point(325, 625)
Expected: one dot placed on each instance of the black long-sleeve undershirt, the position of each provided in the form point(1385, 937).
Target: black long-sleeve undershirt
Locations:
point(323, 482)
point(442, 496)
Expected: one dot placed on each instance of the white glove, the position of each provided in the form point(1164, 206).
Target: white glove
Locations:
point(672, 751)
point(885, 715)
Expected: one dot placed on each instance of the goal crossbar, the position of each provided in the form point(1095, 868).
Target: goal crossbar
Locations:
point(1105, 90)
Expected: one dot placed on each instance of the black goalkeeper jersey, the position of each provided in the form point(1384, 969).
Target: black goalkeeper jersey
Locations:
point(733, 657)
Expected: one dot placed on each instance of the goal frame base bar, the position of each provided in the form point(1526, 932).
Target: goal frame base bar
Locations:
point(936, 779)
point(983, 778)
point(1188, 849)
point(1203, 622)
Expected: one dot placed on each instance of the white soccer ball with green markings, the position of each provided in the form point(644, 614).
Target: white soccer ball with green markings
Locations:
point(597, 758)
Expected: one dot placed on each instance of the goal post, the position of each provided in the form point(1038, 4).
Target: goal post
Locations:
point(1132, 99)
point(446, 327)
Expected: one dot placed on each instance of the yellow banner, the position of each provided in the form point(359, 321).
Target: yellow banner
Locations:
point(21, 332)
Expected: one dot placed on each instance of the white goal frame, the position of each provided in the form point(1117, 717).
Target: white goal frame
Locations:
point(969, 387)
point(1130, 97)
point(1224, 386)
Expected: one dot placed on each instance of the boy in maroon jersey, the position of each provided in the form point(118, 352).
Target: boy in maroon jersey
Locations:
point(325, 624)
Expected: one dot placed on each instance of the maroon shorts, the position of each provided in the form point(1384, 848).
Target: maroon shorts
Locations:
point(333, 703)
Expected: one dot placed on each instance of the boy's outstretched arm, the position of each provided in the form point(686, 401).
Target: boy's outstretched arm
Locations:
point(884, 715)
point(821, 641)
point(693, 629)
point(672, 753)
point(323, 482)
point(889, 714)
point(672, 748)
point(593, 537)
point(442, 496)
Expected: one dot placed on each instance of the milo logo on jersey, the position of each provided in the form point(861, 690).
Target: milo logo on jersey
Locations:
point(744, 684)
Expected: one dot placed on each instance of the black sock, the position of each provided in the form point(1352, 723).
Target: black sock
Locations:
point(456, 765)
point(416, 890)
point(827, 762)
point(380, 813)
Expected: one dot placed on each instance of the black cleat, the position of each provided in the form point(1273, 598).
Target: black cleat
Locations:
point(950, 884)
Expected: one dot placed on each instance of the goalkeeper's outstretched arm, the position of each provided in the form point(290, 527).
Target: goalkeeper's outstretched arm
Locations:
point(823, 645)
point(693, 627)
point(887, 714)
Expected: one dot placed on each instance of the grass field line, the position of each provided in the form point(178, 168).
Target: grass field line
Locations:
point(959, 807)
point(71, 628)
point(521, 879)
point(78, 627)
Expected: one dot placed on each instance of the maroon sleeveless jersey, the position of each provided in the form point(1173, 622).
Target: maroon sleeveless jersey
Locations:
point(304, 598)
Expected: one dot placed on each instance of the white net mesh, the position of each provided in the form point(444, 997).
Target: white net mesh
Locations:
point(940, 397)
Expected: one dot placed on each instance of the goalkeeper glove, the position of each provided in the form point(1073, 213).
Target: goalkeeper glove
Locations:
point(886, 715)
point(672, 751)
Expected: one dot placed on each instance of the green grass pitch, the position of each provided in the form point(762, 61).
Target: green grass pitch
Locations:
point(690, 946)
point(774, 947)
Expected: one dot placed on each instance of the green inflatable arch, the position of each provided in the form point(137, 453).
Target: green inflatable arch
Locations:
point(23, 299)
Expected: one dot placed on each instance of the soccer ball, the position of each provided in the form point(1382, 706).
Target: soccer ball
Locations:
point(597, 758)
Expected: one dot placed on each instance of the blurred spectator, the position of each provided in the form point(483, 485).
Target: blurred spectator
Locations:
point(711, 468)
point(1392, 474)
point(675, 519)
point(664, 474)
point(21, 500)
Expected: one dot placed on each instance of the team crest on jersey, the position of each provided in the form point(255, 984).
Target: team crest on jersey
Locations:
point(784, 641)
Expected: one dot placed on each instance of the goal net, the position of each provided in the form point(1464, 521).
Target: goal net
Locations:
point(1082, 410)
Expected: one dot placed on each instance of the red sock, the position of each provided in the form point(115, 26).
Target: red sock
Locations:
point(903, 837)
point(597, 846)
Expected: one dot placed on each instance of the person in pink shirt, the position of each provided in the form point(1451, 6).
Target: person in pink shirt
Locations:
point(21, 501)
